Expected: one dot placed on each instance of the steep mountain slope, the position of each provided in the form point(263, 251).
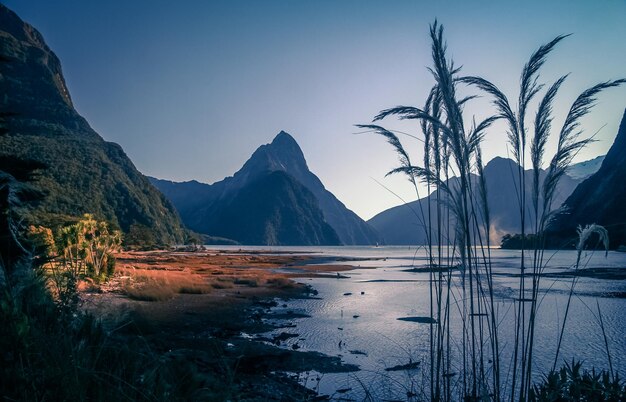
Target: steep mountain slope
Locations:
point(273, 209)
point(199, 203)
point(403, 224)
point(270, 208)
point(84, 173)
point(599, 199)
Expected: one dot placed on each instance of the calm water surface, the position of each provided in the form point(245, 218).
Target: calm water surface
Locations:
point(363, 328)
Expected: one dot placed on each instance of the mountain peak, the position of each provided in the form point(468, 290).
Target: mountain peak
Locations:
point(283, 136)
point(283, 153)
point(499, 162)
point(33, 68)
point(48, 130)
point(276, 181)
point(284, 141)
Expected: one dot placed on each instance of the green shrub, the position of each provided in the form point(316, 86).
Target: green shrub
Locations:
point(82, 249)
point(572, 383)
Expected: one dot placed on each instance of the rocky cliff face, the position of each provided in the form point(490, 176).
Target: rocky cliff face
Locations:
point(600, 199)
point(84, 173)
point(201, 204)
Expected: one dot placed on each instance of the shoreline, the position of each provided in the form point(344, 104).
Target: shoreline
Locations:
point(208, 311)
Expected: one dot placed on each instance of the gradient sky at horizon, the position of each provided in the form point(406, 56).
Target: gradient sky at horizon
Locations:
point(191, 89)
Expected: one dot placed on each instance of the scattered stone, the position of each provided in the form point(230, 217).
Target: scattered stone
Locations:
point(286, 325)
point(286, 315)
point(283, 336)
point(266, 304)
point(420, 320)
point(401, 367)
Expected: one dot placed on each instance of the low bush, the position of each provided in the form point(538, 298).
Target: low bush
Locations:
point(572, 383)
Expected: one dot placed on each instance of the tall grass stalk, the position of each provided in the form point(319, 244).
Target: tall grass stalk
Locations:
point(584, 235)
point(460, 218)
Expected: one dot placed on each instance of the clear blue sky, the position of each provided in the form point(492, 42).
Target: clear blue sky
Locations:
point(190, 89)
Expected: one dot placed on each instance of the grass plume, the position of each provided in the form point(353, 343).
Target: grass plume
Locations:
point(452, 147)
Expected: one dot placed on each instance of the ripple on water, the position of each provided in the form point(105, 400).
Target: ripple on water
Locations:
point(390, 293)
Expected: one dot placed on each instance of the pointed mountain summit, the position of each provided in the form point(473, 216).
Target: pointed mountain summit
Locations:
point(200, 205)
point(285, 143)
point(599, 199)
point(84, 173)
point(283, 153)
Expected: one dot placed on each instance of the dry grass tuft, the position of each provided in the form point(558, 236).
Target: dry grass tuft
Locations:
point(159, 285)
point(223, 283)
point(251, 282)
point(148, 289)
point(281, 283)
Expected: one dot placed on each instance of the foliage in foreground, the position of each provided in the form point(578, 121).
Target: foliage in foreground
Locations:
point(55, 354)
point(572, 383)
point(49, 350)
point(460, 216)
point(84, 248)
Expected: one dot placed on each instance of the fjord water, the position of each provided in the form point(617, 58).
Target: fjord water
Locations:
point(357, 317)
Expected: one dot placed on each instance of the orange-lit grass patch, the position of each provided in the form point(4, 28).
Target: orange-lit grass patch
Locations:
point(158, 285)
point(161, 275)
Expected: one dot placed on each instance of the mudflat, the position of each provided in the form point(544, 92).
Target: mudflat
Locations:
point(206, 309)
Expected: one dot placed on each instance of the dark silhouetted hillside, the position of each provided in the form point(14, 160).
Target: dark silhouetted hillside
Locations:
point(600, 199)
point(200, 204)
point(84, 173)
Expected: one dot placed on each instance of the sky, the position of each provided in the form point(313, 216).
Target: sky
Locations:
point(190, 89)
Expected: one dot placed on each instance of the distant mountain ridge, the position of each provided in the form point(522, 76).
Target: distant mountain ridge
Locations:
point(600, 199)
point(582, 170)
point(200, 205)
point(84, 174)
point(402, 225)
